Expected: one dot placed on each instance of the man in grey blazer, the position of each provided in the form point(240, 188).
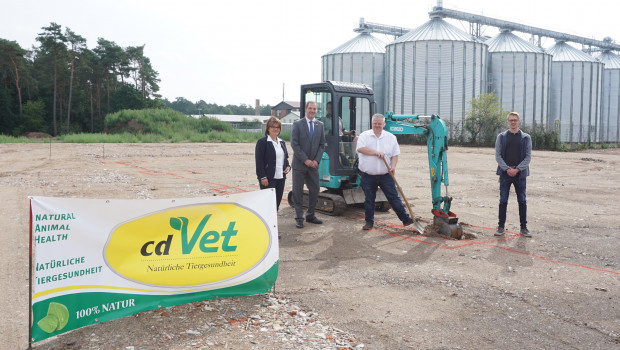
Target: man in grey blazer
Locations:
point(308, 143)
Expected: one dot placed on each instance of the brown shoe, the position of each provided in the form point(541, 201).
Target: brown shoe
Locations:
point(408, 222)
point(368, 226)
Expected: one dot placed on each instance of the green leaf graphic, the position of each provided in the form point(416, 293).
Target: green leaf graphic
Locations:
point(48, 323)
point(175, 223)
point(61, 312)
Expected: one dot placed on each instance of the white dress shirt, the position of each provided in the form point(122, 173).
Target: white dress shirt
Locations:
point(279, 157)
point(386, 144)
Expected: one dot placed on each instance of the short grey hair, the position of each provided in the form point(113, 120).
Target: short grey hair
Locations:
point(378, 116)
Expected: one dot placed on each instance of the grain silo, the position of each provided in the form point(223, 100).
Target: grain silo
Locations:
point(519, 74)
point(359, 60)
point(575, 101)
point(610, 100)
point(435, 69)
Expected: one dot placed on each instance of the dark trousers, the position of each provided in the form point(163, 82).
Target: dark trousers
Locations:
point(278, 184)
point(309, 176)
point(519, 184)
point(369, 184)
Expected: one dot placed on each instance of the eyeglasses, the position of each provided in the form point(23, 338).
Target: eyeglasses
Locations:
point(513, 120)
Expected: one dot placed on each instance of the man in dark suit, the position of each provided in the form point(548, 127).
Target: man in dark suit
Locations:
point(308, 143)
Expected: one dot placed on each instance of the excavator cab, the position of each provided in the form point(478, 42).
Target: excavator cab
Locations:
point(346, 110)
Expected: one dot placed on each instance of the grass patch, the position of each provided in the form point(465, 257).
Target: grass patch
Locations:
point(20, 139)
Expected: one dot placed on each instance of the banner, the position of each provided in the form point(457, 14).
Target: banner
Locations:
point(100, 259)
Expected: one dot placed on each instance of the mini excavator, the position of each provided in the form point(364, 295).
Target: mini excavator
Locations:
point(346, 109)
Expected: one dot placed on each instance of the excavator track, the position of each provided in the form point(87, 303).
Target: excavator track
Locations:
point(327, 203)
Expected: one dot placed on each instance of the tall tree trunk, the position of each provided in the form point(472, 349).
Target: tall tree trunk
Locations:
point(54, 103)
point(99, 104)
point(92, 114)
point(143, 81)
point(107, 79)
point(19, 90)
point(60, 104)
point(70, 94)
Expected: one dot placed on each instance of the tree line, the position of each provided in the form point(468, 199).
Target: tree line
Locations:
point(60, 86)
point(201, 107)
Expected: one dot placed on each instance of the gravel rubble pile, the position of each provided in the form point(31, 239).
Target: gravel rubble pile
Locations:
point(266, 322)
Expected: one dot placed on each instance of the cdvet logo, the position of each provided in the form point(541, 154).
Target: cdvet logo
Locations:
point(188, 246)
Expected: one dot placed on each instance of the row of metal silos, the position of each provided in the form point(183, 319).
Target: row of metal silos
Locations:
point(438, 68)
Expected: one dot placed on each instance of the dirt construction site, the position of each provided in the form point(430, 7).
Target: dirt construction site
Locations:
point(339, 287)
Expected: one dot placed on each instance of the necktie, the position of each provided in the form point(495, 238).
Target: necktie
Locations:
point(311, 130)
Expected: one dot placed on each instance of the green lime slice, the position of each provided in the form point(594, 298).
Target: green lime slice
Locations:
point(48, 323)
point(61, 312)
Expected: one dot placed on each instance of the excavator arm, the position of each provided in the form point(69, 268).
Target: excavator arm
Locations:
point(436, 133)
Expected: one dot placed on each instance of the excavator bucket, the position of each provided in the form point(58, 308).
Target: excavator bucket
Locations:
point(447, 226)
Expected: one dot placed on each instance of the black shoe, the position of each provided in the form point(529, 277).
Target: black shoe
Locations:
point(408, 222)
point(500, 231)
point(299, 223)
point(368, 226)
point(313, 219)
point(525, 232)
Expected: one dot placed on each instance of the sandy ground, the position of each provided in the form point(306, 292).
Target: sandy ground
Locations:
point(388, 288)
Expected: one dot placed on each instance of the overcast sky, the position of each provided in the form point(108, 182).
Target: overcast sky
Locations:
point(233, 52)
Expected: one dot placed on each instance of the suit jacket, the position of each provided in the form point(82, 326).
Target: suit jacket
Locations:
point(265, 156)
point(302, 147)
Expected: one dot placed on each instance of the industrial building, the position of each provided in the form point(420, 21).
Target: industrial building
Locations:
point(438, 68)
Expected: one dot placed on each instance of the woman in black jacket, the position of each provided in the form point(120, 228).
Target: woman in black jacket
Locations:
point(272, 159)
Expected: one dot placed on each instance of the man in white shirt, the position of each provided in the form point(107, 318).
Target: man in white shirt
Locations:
point(373, 146)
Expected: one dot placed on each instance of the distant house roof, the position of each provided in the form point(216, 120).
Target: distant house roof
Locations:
point(290, 118)
point(286, 105)
point(230, 118)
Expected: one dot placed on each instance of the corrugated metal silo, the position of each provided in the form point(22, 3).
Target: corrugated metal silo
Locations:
point(435, 69)
point(575, 93)
point(359, 60)
point(610, 101)
point(519, 74)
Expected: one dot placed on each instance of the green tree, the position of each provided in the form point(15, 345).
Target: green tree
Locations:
point(126, 97)
point(485, 119)
point(143, 74)
point(111, 58)
point(87, 70)
point(7, 115)
point(33, 118)
point(53, 44)
point(77, 45)
point(12, 58)
point(184, 106)
point(265, 110)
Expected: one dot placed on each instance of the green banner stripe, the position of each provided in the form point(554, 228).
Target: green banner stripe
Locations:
point(50, 315)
